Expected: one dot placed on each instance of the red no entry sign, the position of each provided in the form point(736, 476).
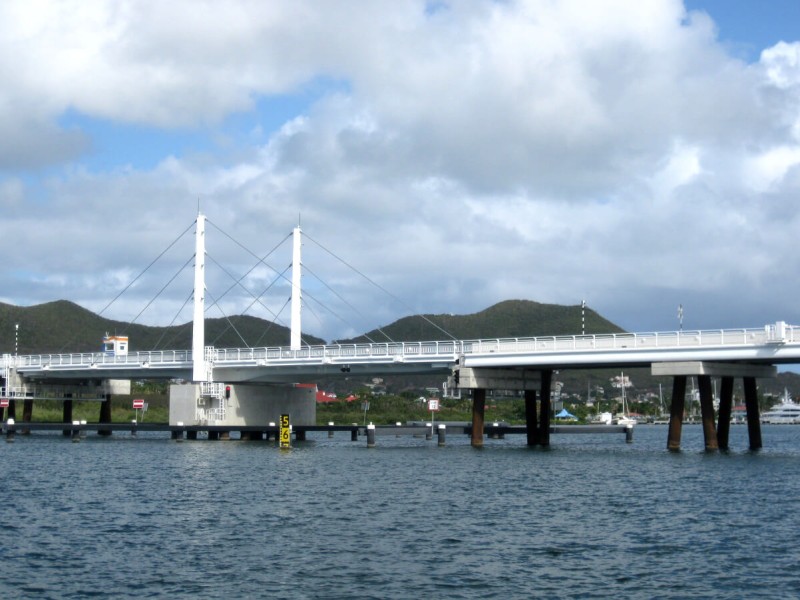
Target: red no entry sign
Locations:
point(3, 402)
point(138, 403)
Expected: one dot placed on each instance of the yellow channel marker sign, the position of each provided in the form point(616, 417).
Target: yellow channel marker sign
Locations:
point(285, 432)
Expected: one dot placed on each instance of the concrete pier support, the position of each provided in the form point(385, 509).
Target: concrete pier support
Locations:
point(478, 409)
point(27, 415)
point(707, 412)
point(725, 408)
point(12, 410)
point(677, 406)
point(531, 420)
point(544, 417)
point(704, 370)
point(753, 418)
point(67, 417)
point(105, 414)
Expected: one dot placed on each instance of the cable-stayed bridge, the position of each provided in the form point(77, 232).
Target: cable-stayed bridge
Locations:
point(524, 363)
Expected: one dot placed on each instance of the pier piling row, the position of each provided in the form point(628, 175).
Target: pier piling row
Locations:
point(715, 436)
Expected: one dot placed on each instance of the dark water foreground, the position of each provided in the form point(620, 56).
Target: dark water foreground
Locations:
point(592, 517)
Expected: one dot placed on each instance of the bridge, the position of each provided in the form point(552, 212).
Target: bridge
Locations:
point(525, 364)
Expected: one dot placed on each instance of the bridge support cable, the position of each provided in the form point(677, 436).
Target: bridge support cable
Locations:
point(383, 289)
point(256, 298)
point(161, 291)
point(259, 261)
point(147, 268)
point(346, 303)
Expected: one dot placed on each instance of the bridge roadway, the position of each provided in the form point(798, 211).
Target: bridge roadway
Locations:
point(771, 345)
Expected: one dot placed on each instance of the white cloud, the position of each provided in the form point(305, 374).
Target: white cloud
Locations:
point(554, 151)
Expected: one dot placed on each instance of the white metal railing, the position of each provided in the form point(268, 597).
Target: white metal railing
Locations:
point(448, 350)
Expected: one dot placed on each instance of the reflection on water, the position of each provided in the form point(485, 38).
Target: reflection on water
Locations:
point(590, 517)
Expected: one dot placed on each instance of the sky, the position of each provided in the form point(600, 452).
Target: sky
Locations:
point(440, 157)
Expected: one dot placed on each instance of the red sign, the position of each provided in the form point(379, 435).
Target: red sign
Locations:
point(138, 403)
point(3, 402)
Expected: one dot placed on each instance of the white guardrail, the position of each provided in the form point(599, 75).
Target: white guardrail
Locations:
point(440, 351)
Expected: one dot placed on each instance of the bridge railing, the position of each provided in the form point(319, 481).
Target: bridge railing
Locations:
point(96, 359)
point(339, 352)
point(622, 341)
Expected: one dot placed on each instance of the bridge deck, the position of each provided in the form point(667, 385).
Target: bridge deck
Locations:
point(772, 344)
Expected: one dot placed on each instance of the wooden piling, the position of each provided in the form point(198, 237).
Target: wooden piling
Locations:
point(67, 417)
point(531, 421)
point(676, 412)
point(724, 416)
point(753, 418)
point(478, 410)
point(27, 416)
point(707, 412)
point(105, 414)
point(544, 417)
point(441, 434)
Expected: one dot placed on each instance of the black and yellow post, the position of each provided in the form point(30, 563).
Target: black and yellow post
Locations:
point(285, 432)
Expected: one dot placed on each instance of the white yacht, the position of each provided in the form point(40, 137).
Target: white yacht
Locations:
point(787, 411)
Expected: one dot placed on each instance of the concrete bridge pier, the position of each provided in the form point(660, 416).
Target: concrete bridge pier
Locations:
point(714, 437)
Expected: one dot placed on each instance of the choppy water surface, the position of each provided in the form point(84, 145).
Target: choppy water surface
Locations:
point(591, 517)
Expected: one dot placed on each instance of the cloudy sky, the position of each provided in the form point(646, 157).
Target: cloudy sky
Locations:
point(441, 157)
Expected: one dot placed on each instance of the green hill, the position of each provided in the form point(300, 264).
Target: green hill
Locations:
point(511, 318)
point(63, 326)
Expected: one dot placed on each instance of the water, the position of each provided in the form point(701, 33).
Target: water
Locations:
point(591, 517)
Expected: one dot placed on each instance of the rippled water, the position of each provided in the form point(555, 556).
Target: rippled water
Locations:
point(591, 517)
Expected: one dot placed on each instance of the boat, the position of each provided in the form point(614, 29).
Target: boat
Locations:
point(787, 412)
point(604, 418)
point(623, 418)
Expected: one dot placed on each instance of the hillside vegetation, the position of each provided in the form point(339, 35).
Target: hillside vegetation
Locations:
point(64, 326)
